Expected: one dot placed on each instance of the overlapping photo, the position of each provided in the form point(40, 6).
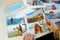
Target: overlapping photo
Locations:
point(51, 1)
point(42, 2)
point(34, 2)
point(12, 6)
point(52, 12)
point(16, 26)
point(35, 23)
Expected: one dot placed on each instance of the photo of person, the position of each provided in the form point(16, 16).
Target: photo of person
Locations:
point(38, 29)
point(34, 2)
point(53, 7)
point(41, 2)
point(51, 15)
point(55, 31)
point(12, 21)
point(52, 11)
point(16, 26)
point(35, 22)
point(33, 17)
point(20, 30)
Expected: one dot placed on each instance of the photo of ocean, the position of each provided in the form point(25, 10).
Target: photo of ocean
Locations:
point(15, 21)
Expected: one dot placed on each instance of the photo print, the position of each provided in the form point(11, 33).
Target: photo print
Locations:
point(42, 2)
point(13, 5)
point(16, 26)
point(35, 22)
point(34, 2)
point(52, 11)
point(51, 1)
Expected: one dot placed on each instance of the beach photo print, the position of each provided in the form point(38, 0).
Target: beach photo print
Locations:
point(13, 5)
point(16, 26)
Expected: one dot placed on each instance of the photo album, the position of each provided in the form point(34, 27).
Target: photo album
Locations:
point(20, 20)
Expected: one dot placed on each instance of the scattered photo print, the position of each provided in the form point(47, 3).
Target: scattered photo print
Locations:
point(34, 2)
point(34, 17)
point(13, 5)
point(37, 27)
point(13, 20)
point(16, 26)
point(42, 2)
point(52, 11)
point(35, 22)
point(40, 28)
point(51, 1)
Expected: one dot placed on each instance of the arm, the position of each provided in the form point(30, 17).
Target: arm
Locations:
point(56, 31)
point(50, 25)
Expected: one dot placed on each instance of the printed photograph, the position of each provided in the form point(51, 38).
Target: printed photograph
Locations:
point(41, 2)
point(35, 2)
point(13, 5)
point(35, 22)
point(52, 11)
point(51, 1)
point(33, 17)
point(37, 28)
point(16, 26)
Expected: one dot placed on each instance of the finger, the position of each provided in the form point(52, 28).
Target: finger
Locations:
point(31, 37)
point(50, 28)
point(25, 38)
point(28, 37)
point(49, 22)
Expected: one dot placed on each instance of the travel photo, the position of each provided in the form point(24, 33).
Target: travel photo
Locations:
point(35, 22)
point(16, 26)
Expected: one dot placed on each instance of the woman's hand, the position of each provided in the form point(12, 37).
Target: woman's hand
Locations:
point(55, 30)
point(28, 37)
point(50, 25)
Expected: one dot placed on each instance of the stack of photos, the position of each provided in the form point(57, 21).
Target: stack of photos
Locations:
point(16, 26)
point(35, 23)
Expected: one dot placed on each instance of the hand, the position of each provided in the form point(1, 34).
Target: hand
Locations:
point(55, 30)
point(50, 25)
point(28, 37)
